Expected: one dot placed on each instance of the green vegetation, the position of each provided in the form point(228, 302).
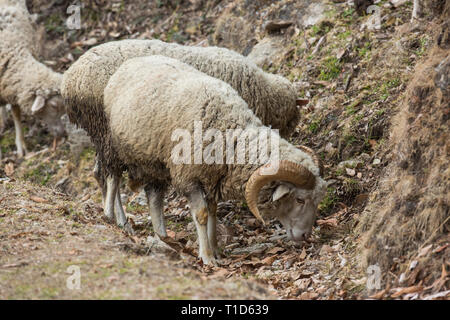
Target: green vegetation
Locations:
point(330, 69)
point(40, 175)
point(328, 201)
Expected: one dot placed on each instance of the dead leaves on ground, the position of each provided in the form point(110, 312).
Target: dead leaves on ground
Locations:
point(39, 199)
point(9, 169)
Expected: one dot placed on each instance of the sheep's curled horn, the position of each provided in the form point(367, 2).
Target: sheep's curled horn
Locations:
point(315, 157)
point(288, 171)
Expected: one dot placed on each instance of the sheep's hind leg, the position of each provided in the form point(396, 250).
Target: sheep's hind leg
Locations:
point(212, 228)
point(112, 184)
point(199, 211)
point(100, 179)
point(20, 141)
point(121, 218)
point(155, 205)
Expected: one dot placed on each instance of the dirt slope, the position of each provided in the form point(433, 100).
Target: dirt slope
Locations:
point(42, 235)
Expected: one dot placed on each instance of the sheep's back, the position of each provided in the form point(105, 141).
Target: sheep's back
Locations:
point(16, 28)
point(148, 99)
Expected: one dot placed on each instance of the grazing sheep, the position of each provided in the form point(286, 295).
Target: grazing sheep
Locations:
point(271, 97)
point(28, 85)
point(149, 98)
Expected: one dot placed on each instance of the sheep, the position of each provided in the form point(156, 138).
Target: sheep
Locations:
point(149, 98)
point(416, 10)
point(25, 83)
point(271, 97)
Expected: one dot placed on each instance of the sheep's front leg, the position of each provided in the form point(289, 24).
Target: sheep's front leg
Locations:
point(3, 118)
point(212, 228)
point(20, 141)
point(199, 211)
point(155, 206)
point(112, 184)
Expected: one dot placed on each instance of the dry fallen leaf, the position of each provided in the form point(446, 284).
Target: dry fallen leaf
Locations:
point(378, 295)
point(302, 284)
point(171, 234)
point(38, 199)
point(302, 255)
point(221, 272)
point(275, 250)
point(424, 251)
point(9, 169)
point(332, 222)
point(437, 250)
point(269, 260)
point(308, 296)
point(402, 291)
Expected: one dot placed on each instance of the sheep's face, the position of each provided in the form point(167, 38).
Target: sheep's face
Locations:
point(295, 208)
point(50, 110)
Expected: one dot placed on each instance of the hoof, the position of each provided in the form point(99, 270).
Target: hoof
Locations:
point(128, 229)
point(210, 261)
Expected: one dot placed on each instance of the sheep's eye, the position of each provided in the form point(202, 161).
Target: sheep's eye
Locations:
point(300, 201)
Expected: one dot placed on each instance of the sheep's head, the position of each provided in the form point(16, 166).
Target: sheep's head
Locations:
point(48, 106)
point(292, 195)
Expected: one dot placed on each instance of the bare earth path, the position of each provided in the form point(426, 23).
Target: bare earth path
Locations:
point(42, 246)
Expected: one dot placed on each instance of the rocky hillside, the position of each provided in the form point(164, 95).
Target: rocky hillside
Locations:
point(378, 117)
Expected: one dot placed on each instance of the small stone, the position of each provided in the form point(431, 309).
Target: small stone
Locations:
point(350, 172)
point(325, 250)
point(398, 3)
point(272, 26)
point(376, 162)
point(352, 163)
point(412, 265)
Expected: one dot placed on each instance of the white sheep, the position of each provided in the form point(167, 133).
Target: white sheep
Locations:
point(149, 98)
point(28, 85)
point(272, 98)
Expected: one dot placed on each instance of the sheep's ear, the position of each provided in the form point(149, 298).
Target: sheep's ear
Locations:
point(38, 104)
point(302, 102)
point(280, 192)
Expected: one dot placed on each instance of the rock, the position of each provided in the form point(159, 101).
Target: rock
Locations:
point(350, 172)
point(313, 14)
point(141, 199)
point(442, 78)
point(156, 245)
point(273, 26)
point(326, 249)
point(376, 162)
point(77, 138)
point(352, 163)
point(362, 5)
point(267, 51)
point(365, 157)
point(61, 185)
point(413, 265)
point(398, 3)
point(329, 148)
point(123, 198)
point(257, 248)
